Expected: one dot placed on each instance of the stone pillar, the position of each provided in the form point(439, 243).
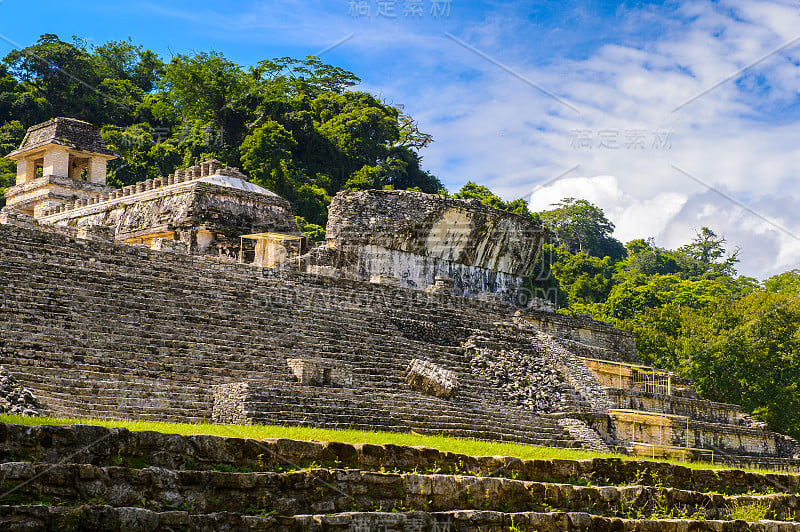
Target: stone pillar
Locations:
point(26, 171)
point(97, 171)
point(56, 162)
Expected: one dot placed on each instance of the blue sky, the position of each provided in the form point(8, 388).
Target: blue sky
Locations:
point(671, 116)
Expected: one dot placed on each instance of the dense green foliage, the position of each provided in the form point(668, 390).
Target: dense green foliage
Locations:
point(295, 126)
point(299, 128)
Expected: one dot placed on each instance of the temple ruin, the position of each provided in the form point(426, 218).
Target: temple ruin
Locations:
point(193, 297)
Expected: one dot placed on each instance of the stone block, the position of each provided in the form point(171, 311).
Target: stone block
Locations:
point(230, 402)
point(321, 372)
point(431, 379)
point(387, 280)
point(169, 245)
point(97, 233)
point(443, 285)
point(325, 271)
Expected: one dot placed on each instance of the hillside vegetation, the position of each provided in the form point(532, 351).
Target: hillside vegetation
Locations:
point(301, 128)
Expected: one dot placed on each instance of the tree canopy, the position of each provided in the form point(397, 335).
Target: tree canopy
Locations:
point(583, 228)
point(297, 126)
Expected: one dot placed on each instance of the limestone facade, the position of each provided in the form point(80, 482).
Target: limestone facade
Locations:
point(417, 238)
point(96, 327)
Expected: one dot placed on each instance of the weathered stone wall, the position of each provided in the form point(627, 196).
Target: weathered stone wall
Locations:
point(698, 409)
point(598, 340)
point(652, 428)
point(415, 271)
point(417, 237)
point(109, 330)
point(75, 478)
point(464, 232)
point(51, 191)
point(111, 446)
point(181, 209)
point(311, 491)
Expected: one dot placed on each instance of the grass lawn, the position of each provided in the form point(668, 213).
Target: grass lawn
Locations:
point(468, 447)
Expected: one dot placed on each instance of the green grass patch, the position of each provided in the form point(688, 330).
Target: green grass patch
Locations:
point(469, 447)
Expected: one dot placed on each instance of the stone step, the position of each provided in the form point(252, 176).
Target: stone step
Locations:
point(325, 491)
point(134, 519)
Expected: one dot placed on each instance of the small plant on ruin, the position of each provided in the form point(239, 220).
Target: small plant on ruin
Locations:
point(191, 464)
point(261, 512)
point(750, 512)
point(660, 507)
point(583, 480)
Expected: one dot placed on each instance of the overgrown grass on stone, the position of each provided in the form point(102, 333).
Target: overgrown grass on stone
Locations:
point(470, 447)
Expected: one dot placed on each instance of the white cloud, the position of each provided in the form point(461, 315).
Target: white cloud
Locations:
point(767, 246)
point(634, 218)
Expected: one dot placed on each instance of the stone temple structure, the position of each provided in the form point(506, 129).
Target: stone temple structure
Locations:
point(59, 162)
point(411, 239)
point(191, 298)
point(205, 208)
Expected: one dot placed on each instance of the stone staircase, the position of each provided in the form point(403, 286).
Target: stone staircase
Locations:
point(105, 330)
point(71, 478)
point(660, 414)
point(116, 331)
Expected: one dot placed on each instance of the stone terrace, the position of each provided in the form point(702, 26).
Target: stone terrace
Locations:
point(108, 330)
point(91, 478)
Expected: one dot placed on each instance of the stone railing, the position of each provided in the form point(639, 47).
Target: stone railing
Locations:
point(205, 169)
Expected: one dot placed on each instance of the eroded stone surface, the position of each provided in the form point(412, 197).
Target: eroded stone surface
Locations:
point(320, 372)
point(417, 237)
point(429, 378)
point(15, 399)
